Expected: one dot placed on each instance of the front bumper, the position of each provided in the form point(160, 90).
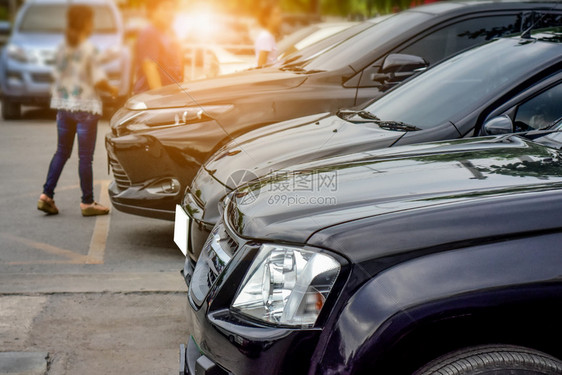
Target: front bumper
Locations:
point(25, 83)
point(147, 180)
point(30, 84)
point(193, 362)
point(222, 343)
point(136, 200)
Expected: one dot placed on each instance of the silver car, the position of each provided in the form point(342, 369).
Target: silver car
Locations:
point(26, 62)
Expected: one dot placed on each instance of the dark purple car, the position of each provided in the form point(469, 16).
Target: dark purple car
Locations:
point(431, 259)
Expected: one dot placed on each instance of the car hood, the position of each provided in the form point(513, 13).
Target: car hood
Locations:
point(293, 207)
point(278, 146)
point(219, 90)
point(293, 142)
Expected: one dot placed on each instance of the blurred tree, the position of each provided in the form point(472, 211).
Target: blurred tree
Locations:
point(344, 8)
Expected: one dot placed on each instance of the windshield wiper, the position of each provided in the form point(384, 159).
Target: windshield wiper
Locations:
point(346, 114)
point(296, 69)
point(395, 125)
point(552, 125)
point(293, 68)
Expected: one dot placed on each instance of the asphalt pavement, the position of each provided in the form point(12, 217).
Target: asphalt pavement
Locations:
point(80, 295)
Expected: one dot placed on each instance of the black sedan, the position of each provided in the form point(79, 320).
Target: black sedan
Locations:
point(454, 243)
point(160, 139)
point(507, 85)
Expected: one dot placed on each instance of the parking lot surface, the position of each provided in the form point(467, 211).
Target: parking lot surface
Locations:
point(92, 295)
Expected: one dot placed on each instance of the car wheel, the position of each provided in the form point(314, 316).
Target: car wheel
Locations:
point(493, 360)
point(10, 110)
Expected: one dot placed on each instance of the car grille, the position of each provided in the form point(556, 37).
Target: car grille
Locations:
point(121, 179)
point(42, 77)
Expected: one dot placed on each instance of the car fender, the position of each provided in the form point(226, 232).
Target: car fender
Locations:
point(439, 286)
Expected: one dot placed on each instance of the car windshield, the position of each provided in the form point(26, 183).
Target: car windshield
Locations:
point(317, 49)
point(446, 92)
point(322, 33)
point(50, 19)
point(337, 55)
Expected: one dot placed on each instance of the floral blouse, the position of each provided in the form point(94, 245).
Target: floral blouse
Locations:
point(77, 71)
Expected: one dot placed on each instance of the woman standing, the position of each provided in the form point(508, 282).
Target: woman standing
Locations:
point(269, 19)
point(78, 78)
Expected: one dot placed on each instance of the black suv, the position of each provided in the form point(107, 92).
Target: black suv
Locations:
point(160, 139)
point(437, 258)
point(507, 85)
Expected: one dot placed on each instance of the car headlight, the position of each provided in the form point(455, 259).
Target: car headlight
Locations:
point(170, 117)
point(17, 53)
point(287, 285)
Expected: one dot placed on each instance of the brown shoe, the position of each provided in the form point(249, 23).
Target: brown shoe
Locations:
point(93, 209)
point(47, 205)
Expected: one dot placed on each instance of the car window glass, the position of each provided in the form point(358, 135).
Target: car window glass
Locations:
point(318, 35)
point(450, 90)
point(542, 110)
point(541, 20)
point(317, 48)
point(374, 37)
point(461, 35)
point(48, 19)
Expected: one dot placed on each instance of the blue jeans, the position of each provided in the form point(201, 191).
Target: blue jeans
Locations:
point(69, 124)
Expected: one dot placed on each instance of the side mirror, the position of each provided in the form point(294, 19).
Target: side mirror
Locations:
point(397, 62)
point(498, 125)
point(397, 67)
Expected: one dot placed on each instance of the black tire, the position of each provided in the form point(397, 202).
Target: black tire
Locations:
point(10, 110)
point(493, 360)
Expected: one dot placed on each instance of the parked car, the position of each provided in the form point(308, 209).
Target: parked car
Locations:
point(26, 62)
point(502, 86)
point(160, 139)
point(211, 59)
point(437, 258)
point(224, 62)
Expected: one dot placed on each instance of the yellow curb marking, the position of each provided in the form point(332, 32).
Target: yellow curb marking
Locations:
point(98, 243)
point(72, 257)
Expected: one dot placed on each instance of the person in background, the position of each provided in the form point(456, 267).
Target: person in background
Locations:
point(269, 18)
point(78, 78)
point(158, 53)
